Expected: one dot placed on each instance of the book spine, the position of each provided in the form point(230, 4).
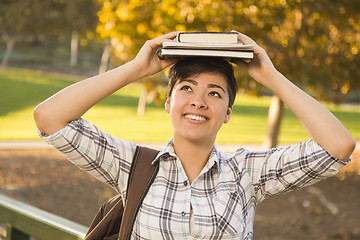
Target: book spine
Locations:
point(159, 54)
point(177, 39)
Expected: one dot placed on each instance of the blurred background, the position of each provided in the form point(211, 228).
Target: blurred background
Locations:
point(48, 45)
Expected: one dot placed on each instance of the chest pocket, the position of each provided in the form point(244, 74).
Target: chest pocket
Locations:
point(228, 209)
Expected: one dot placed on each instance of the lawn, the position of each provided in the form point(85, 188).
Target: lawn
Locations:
point(21, 90)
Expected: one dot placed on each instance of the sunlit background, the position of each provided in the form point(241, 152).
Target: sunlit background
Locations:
point(48, 45)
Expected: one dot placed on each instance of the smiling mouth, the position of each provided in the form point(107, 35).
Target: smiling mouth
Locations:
point(195, 117)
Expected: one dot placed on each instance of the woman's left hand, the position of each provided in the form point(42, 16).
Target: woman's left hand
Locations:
point(259, 67)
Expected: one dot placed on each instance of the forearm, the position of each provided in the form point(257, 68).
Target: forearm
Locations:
point(322, 126)
point(72, 102)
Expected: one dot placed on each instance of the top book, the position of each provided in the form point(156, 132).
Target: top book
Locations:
point(207, 37)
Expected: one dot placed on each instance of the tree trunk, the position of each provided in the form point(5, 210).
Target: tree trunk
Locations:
point(142, 102)
point(10, 42)
point(105, 58)
point(74, 48)
point(275, 114)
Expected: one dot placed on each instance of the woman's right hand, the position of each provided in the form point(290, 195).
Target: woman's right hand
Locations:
point(147, 60)
point(72, 102)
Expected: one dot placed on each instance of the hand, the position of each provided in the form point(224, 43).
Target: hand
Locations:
point(147, 59)
point(261, 66)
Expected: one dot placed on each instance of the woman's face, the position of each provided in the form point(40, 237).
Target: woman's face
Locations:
point(198, 107)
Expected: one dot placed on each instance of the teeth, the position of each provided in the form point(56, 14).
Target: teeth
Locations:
point(194, 117)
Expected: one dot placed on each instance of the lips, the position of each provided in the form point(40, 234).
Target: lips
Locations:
point(195, 117)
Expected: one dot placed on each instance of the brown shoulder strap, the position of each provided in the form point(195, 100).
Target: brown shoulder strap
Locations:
point(143, 175)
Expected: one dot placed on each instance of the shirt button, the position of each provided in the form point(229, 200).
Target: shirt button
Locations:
point(185, 183)
point(183, 213)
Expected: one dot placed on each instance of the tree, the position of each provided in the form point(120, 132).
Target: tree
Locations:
point(77, 17)
point(19, 19)
point(314, 43)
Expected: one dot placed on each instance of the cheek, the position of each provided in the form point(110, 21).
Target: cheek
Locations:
point(179, 100)
point(173, 105)
point(222, 114)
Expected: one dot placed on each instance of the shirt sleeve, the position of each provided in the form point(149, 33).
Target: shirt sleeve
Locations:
point(105, 157)
point(281, 170)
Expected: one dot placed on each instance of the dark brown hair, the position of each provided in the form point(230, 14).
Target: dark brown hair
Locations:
point(192, 66)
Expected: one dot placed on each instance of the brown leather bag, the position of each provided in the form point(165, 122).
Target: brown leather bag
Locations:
point(112, 220)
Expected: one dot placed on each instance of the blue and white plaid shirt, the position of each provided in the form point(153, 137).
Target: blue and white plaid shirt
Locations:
point(219, 204)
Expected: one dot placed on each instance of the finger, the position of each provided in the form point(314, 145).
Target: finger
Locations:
point(240, 62)
point(170, 61)
point(157, 42)
point(168, 36)
point(245, 39)
point(171, 35)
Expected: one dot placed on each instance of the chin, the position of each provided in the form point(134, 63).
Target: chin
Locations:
point(199, 138)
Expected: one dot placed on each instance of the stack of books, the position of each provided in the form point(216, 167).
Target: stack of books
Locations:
point(210, 44)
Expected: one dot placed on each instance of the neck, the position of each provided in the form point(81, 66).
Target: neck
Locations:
point(193, 155)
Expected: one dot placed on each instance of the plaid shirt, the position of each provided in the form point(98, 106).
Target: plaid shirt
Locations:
point(219, 204)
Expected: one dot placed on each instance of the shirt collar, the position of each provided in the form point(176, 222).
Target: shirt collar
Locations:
point(168, 153)
point(213, 160)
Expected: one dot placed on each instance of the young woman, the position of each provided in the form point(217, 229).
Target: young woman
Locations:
point(199, 192)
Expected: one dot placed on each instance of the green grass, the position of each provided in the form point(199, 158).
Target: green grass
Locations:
point(21, 90)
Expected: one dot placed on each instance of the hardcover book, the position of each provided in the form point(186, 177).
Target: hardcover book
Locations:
point(207, 37)
point(221, 46)
point(166, 52)
point(210, 44)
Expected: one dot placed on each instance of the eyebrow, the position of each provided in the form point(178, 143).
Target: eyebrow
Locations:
point(216, 86)
point(211, 85)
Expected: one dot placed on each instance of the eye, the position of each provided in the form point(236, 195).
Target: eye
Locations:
point(215, 94)
point(186, 88)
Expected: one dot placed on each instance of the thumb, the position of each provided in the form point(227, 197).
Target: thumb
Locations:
point(240, 62)
point(169, 61)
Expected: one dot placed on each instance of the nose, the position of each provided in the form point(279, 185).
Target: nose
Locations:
point(199, 102)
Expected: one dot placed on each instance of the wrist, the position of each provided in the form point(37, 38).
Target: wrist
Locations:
point(142, 68)
point(266, 75)
point(278, 83)
point(134, 71)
